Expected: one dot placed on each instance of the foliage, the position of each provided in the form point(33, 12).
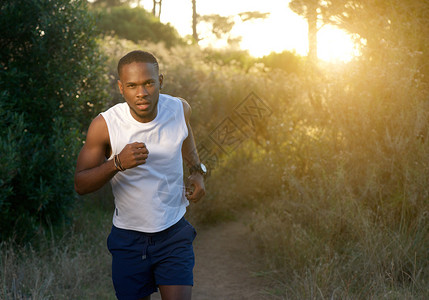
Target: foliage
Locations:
point(382, 27)
point(229, 57)
point(136, 24)
point(389, 29)
point(287, 61)
point(109, 3)
point(252, 15)
point(51, 79)
point(303, 7)
point(221, 26)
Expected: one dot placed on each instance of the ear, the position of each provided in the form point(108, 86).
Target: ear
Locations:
point(121, 87)
point(161, 80)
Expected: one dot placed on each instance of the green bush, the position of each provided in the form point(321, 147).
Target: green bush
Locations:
point(51, 78)
point(287, 61)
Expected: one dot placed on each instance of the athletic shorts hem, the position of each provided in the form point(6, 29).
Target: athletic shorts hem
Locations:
point(134, 297)
point(175, 283)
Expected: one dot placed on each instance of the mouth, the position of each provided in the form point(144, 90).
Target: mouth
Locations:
point(143, 106)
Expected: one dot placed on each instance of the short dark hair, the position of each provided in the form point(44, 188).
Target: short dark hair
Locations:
point(137, 56)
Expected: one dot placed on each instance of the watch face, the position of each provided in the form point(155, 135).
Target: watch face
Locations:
point(203, 168)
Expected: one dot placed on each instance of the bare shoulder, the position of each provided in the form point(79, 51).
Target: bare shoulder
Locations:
point(97, 137)
point(98, 129)
point(96, 147)
point(186, 108)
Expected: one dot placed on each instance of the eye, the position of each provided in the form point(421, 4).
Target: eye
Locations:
point(131, 85)
point(150, 83)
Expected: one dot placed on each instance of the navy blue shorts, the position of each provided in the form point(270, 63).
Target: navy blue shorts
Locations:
point(142, 261)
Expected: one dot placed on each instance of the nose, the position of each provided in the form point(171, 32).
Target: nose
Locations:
point(141, 91)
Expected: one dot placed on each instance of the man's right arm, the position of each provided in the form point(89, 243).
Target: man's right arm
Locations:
point(92, 169)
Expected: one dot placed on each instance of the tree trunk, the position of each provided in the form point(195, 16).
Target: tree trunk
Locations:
point(194, 21)
point(157, 12)
point(312, 32)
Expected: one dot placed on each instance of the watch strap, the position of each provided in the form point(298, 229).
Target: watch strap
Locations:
point(197, 168)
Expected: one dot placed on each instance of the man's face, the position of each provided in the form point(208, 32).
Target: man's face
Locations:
point(140, 83)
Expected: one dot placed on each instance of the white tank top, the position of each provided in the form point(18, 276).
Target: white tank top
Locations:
point(149, 197)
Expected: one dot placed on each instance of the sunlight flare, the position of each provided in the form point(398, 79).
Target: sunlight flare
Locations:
point(335, 45)
point(281, 30)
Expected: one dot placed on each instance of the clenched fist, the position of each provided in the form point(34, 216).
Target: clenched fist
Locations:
point(133, 155)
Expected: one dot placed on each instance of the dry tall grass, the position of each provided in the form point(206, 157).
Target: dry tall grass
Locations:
point(72, 263)
point(351, 220)
point(337, 176)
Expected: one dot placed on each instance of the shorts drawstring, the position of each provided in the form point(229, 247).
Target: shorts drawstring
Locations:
point(148, 242)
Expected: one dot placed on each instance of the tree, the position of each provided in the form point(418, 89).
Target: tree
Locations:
point(136, 24)
point(287, 61)
point(383, 25)
point(253, 15)
point(381, 21)
point(221, 26)
point(52, 83)
point(109, 3)
point(156, 9)
point(309, 10)
point(194, 21)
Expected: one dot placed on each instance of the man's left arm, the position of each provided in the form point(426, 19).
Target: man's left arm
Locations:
point(196, 188)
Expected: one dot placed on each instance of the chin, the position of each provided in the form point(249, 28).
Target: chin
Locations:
point(147, 116)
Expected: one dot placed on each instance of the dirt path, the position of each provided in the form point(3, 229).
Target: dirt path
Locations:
point(224, 268)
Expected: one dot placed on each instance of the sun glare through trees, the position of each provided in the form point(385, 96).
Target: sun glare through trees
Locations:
point(280, 30)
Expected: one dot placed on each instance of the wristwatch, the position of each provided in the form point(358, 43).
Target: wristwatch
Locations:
point(200, 168)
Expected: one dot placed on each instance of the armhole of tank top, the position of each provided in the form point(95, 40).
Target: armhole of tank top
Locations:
point(182, 109)
point(109, 131)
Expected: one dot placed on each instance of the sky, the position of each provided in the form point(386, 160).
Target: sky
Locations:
point(282, 30)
